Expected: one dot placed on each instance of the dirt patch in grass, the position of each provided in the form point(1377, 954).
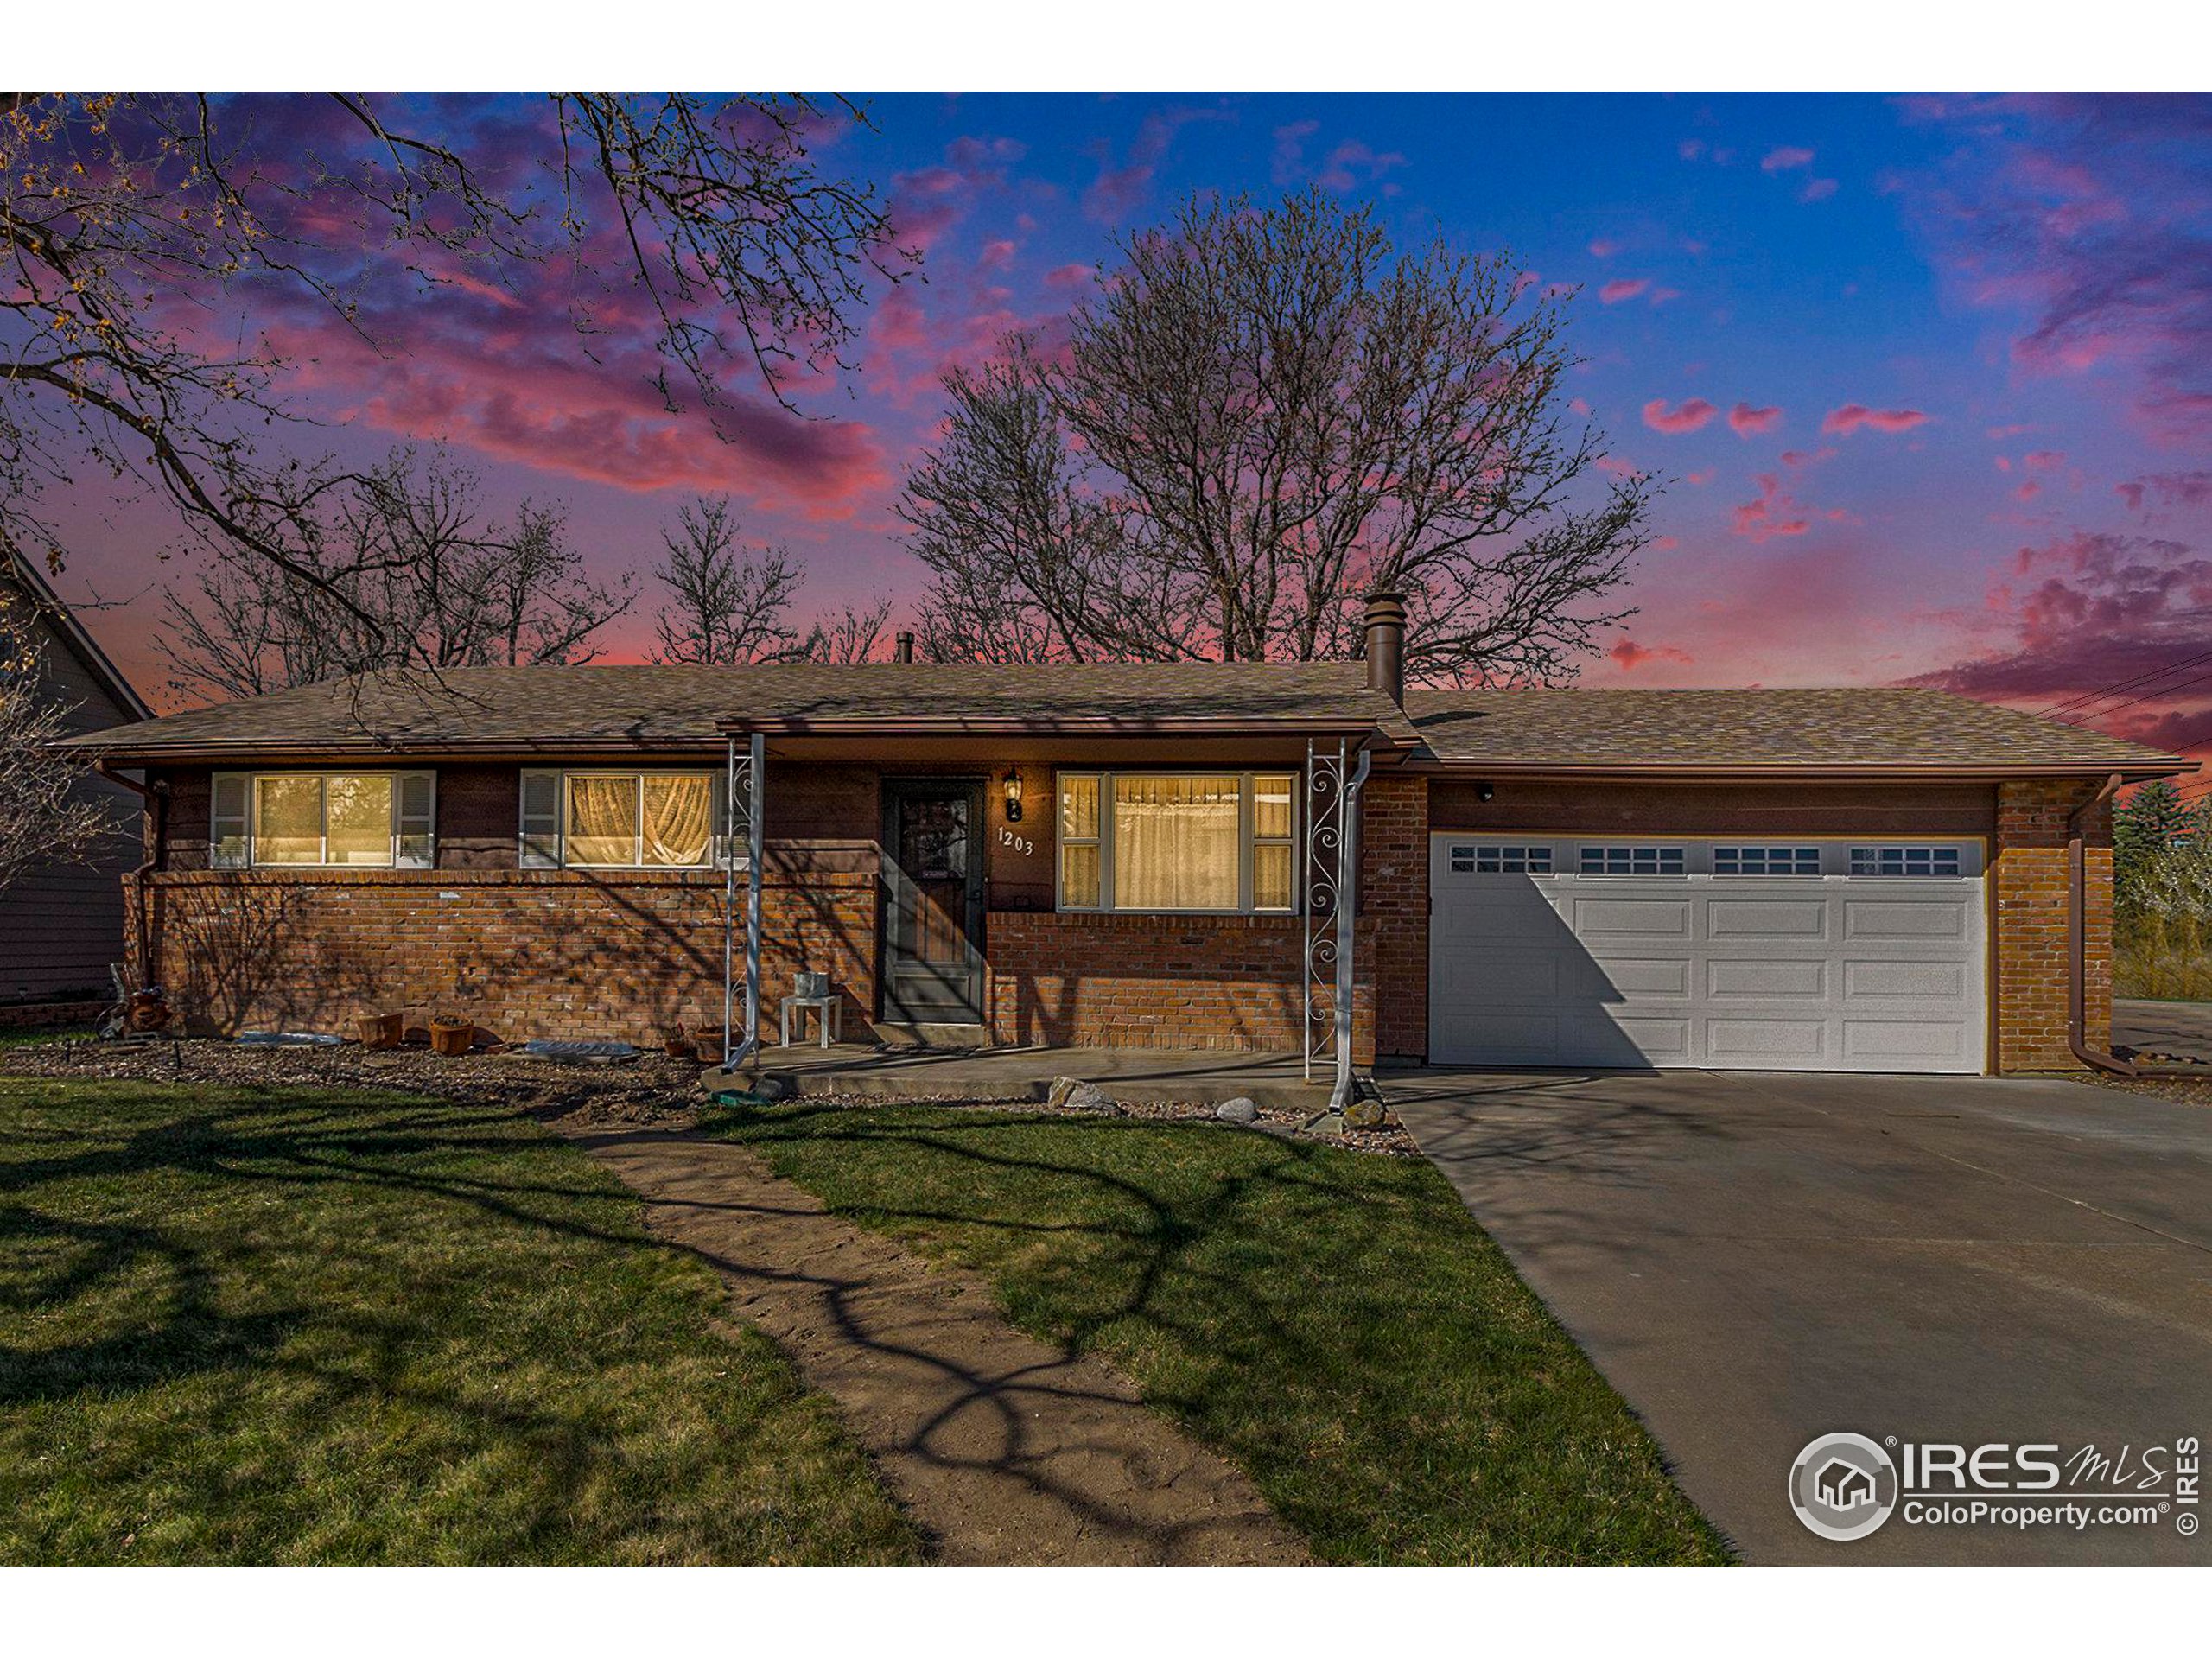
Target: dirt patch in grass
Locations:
point(1007, 1450)
point(1336, 1324)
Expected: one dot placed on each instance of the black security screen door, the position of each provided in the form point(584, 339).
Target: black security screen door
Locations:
point(933, 914)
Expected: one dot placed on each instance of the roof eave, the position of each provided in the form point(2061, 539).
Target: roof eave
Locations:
point(2140, 770)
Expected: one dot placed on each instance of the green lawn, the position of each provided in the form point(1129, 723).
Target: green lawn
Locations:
point(256, 1326)
point(1331, 1320)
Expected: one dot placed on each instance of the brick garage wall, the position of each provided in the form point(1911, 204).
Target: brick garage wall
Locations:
point(525, 953)
point(1193, 981)
point(2028, 898)
point(1394, 903)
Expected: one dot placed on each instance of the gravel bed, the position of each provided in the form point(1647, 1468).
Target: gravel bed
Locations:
point(2194, 1092)
point(652, 1089)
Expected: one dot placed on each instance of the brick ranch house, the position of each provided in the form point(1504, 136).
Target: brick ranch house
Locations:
point(1873, 879)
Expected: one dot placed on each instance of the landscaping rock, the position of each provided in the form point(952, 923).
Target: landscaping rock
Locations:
point(1088, 1097)
point(1061, 1088)
point(1327, 1123)
point(1366, 1114)
point(773, 1088)
point(1239, 1110)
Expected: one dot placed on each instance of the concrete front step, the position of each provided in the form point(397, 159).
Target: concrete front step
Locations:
point(1202, 1076)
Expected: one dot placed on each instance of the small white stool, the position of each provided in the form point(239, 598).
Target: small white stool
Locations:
point(831, 1009)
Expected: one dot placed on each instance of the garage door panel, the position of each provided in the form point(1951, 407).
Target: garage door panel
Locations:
point(1760, 978)
point(1907, 1045)
point(1784, 972)
point(1634, 977)
point(1767, 919)
point(1870, 979)
point(1514, 976)
point(1900, 919)
point(1611, 917)
point(1767, 1040)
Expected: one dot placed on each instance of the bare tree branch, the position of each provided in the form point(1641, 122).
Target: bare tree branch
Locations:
point(1260, 417)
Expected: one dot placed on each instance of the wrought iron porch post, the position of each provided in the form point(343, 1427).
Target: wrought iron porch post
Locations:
point(1347, 908)
point(742, 786)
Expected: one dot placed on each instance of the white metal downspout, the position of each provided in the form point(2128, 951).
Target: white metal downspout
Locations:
point(1347, 904)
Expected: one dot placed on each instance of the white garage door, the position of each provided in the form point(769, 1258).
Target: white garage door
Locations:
point(1774, 956)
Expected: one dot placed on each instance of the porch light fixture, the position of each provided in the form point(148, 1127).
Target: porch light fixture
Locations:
point(1013, 795)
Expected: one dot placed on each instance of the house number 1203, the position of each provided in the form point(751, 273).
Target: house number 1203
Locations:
point(1020, 844)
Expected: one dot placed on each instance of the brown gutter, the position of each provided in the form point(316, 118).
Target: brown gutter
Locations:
point(1050, 725)
point(1785, 770)
point(156, 796)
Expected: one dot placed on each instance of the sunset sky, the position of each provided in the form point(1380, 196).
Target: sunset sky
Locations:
point(1931, 378)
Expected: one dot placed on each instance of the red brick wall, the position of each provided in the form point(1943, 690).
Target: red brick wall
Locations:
point(1394, 903)
point(1195, 982)
point(2029, 885)
point(524, 953)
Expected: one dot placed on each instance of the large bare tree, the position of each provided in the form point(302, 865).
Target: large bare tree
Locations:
point(47, 818)
point(729, 601)
point(1262, 415)
point(136, 228)
point(409, 572)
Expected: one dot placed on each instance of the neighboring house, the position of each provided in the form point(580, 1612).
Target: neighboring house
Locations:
point(1121, 854)
point(61, 924)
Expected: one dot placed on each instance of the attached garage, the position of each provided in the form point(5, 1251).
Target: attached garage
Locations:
point(1773, 953)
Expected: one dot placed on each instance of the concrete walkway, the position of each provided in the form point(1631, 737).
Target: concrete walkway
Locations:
point(1756, 1259)
point(1205, 1076)
point(1006, 1450)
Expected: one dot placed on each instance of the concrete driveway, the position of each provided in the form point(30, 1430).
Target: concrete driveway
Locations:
point(1756, 1259)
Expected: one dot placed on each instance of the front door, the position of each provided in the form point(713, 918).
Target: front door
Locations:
point(933, 910)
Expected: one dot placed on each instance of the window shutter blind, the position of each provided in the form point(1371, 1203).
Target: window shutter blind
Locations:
point(541, 821)
point(230, 844)
point(414, 796)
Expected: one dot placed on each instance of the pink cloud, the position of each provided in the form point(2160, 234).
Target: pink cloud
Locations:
point(1629, 655)
point(1062, 277)
point(1604, 248)
point(1849, 418)
point(1784, 157)
point(1119, 191)
point(1661, 295)
point(1817, 190)
point(996, 255)
point(1747, 422)
point(2044, 460)
point(1685, 416)
point(1623, 288)
point(2169, 489)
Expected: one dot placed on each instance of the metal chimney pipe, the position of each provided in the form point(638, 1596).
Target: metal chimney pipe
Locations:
point(1386, 644)
point(904, 651)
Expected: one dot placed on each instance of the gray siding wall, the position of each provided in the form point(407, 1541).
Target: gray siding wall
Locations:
point(61, 926)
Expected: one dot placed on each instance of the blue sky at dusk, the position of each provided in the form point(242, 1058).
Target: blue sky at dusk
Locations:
point(1927, 375)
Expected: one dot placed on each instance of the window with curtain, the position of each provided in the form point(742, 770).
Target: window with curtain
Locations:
point(624, 820)
point(1167, 842)
point(377, 820)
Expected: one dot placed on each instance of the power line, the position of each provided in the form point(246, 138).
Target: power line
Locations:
point(2124, 685)
point(2159, 691)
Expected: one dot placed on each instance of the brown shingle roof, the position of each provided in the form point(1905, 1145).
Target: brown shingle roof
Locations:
point(553, 709)
point(648, 706)
point(1844, 729)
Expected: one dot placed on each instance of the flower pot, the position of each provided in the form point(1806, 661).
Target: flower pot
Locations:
point(149, 1012)
point(452, 1038)
point(380, 1030)
point(707, 1043)
point(809, 984)
point(677, 1044)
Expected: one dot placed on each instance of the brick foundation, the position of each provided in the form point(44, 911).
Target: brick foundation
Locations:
point(1194, 981)
point(523, 953)
point(2028, 888)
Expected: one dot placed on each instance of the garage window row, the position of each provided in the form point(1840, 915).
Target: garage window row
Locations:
point(1900, 862)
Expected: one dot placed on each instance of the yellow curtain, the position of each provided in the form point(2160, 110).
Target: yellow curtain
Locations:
point(287, 819)
point(1175, 843)
point(678, 815)
point(603, 821)
point(358, 823)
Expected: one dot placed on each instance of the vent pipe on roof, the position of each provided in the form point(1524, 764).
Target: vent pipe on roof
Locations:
point(904, 651)
point(1386, 644)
